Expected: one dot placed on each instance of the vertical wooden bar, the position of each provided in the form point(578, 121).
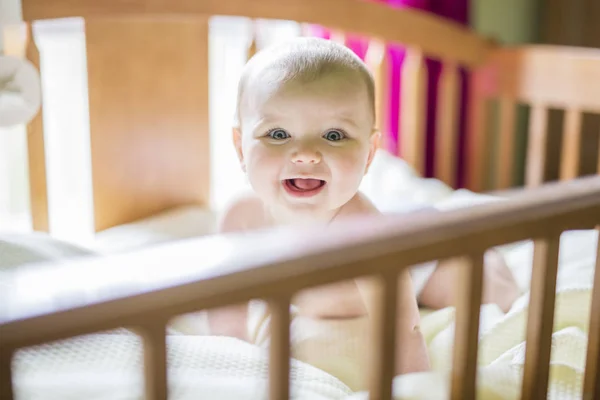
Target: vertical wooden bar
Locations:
point(279, 351)
point(383, 325)
point(413, 110)
point(155, 360)
point(536, 147)
point(540, 318)
point(477, 135)
point(38, 189)
point(253, 48)
point(148, 106)
point(598, 158)
point(466, 336)
point(571, 142)
point(6, 386)
point(506, 148)
point(447, 129)
point(338, 37)
point(378, 62)
point(591, 383)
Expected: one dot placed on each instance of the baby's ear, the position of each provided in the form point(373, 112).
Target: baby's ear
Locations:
point(374, 142)
point(237, 142)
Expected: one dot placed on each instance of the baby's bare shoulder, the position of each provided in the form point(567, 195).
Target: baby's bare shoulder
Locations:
point(359, 205)
point(245, 212)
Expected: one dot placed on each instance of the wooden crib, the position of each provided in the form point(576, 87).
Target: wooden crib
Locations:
point(139, 170)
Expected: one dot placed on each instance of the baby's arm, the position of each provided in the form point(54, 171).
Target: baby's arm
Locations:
point(233, 320)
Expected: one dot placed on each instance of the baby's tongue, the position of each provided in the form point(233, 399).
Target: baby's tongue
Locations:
point(307, 184)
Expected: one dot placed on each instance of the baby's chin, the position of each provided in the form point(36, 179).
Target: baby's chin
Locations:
point(322, 211)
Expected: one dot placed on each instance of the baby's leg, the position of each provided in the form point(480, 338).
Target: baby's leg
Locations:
point(411, 348)
point(229, 321)
point(499, 285)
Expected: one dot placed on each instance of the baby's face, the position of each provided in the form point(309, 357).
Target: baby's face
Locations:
point(306, 147)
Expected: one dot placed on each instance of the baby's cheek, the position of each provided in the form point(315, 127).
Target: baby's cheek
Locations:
point(349, 168)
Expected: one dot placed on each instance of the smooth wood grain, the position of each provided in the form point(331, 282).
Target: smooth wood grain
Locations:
point(6, 385)
point(279, 350)
point(478, 137)
point(378, 62)
point(155, 360)
point(436, 36)
point(506, 143)
point(383, 333)
point(447, 128)
point(338, 36)
point(591, 383)
point(540, 320)
point(537, 146)
point(561, 77)
point(36, 154)
point(555, 77)
point(466, 336)
point(571, 143)
point(253, 47)
point(413, 108)
point(117, 295)
point(598, 158)
point(149, 129)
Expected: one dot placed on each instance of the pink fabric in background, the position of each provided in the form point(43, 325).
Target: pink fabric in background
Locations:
point(456, 10)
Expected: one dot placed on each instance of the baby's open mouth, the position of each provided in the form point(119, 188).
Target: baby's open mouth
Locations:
point(303, 186)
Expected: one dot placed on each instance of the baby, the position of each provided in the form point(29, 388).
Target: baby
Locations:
point(305, 137)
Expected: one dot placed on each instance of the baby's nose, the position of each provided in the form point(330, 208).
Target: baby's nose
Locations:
point(306, 157)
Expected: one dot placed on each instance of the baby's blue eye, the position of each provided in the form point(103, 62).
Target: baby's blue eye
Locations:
point(278, 134)
point(334, 136)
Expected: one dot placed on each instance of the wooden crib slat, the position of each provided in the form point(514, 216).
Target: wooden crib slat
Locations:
point(155, 360)
point(252, 48)
point(447, 131)
point(504, 172)
point(338, 36)
point(383, 330)
point(148, 114)
point(540, 318)
point(6, 387)
point(598, 153)
point(536, 152)
point(477, 135)
point(591, 383)
point(279, 351)
point(569, 165)
point(468, 305)
point(413, 110)
point(36, 154)
point(378, 62)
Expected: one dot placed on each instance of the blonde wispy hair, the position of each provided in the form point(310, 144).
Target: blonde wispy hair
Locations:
point(303, 60)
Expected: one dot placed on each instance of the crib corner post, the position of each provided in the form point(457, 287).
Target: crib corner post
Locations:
point(6, 386)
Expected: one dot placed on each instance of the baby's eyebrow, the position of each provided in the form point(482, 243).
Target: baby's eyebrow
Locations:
point(347, 119)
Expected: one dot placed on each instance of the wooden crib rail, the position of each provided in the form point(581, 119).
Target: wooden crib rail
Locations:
point(138, 290)
point(543, 77)
point(149, 104)
point(357, 16)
